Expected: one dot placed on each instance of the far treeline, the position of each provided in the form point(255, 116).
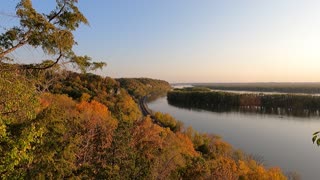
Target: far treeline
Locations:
point(289, 104)
point(303, 87)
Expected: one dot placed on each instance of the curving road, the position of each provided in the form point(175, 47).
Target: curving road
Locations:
point(147, 112)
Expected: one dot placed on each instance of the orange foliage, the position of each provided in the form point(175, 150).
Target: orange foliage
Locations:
point(243, 167)
point(165, 150)
point(276, 174)
point(250, 170)
point(58, 101)
point(98, 127)
point(219, 147)
point(96, 115)
point(177, 147)
point(223, 168)
point(147, 138)
point(44, 103)
point(94, 112)
point(186, 145)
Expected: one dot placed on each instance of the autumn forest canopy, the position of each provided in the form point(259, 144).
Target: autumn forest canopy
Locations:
point(56, 123)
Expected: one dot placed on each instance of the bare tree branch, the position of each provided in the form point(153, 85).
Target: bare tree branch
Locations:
point(21, 43)
point(57, 14)
point(45, 67)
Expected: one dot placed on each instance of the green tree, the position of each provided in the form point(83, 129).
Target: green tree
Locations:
point(54, 156)
point(18, 132)
point(316, 138)
point(53, 32)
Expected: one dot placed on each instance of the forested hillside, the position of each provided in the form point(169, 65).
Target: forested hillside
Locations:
point(87, 126)
point(139, 87)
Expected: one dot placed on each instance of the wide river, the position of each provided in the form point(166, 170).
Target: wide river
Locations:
point(281, 140)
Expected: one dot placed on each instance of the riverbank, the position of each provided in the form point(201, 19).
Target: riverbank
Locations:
point(281, 141)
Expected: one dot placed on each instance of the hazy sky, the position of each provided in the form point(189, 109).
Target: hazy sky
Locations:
point(198, 40)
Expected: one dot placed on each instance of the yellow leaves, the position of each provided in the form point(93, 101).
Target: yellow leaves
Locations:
point(179, 143)
point(85, 97)
point(166, 120)
point(223, 168)
point(186, 145)
point(167, 150)
point(97, 131)
point(220, 148)
point(56, 99)
point(44, 103)
point(243, 168)
point(276, 174)
point(2, 130)
point(129, 111)
point(250, 170)
point(171, 150)
point(89, 114)
point(18, 99)
point(93, 109)
point(226, 163)
point(96, 114)
point(147, 138)
point(219, 165)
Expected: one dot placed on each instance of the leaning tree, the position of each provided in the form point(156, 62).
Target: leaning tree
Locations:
point(52, 32)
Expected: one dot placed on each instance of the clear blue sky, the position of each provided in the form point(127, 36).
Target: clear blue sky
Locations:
point(198, 40)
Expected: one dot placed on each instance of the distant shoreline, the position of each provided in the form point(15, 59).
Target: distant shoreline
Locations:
point(299, 88)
